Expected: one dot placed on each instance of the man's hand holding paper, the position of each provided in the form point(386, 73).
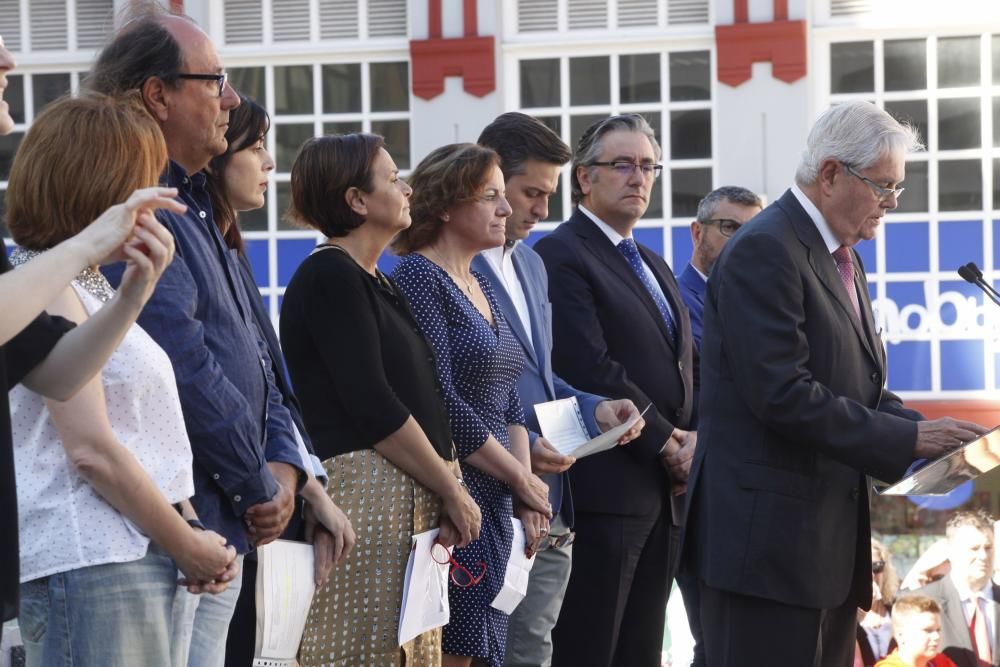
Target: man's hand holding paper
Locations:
point(563, 425)
point(610, 414)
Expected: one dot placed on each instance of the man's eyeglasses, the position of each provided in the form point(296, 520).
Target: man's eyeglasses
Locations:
point(726, 226)
point(460, 575)
point(220, 79)
point(625, 169)
point(878, 566)
point(556, 541)
point(880, 192)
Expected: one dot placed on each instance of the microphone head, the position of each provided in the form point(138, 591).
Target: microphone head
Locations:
point(975, 269)
point(967, 274)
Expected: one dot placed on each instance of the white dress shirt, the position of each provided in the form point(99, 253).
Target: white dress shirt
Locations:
point(970, 600)
point(63, 522)
point(821, 224)
point(617, 238)
point(502, 261)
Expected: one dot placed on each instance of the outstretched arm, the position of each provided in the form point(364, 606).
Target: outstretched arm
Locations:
point(25, 293)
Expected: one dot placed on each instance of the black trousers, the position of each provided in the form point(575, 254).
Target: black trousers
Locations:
point(687, 584)
point(749, 632)
point(615, 605)
point(241, 640)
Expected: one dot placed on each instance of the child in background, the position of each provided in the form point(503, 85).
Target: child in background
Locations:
point(916, 626)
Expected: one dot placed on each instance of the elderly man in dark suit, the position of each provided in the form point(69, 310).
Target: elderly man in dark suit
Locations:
point(969, 600)
point(620, 329)
point(793, 412)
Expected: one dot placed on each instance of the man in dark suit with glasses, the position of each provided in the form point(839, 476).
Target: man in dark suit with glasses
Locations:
point(620, 329)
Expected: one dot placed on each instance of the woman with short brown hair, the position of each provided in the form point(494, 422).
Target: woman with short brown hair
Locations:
point(372, 405)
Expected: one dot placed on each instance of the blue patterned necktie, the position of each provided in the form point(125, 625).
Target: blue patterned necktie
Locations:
point(630, 251)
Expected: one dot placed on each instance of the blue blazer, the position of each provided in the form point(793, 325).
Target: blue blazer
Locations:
point(538, 383)
point(693, 293)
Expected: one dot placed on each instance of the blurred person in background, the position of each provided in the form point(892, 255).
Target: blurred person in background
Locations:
point(969, 599)
point(916, 628)
point(931, 565)
point(875, 625)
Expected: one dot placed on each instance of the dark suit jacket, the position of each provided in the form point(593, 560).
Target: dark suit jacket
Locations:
point(792, 415)
point(955, 637)
point(538, 383)
point(693, 293)
point(610, 339)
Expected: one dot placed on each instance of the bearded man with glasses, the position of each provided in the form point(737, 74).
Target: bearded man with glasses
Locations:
point(720, 215)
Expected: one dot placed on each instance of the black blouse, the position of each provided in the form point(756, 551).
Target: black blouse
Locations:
point(21, 354)
point(357, 359)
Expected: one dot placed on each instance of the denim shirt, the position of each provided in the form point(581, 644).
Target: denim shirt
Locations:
point(201, 316)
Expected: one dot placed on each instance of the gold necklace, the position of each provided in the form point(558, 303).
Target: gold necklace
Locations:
point(451, 272)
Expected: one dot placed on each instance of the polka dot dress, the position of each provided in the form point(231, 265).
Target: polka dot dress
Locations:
point(478, 366)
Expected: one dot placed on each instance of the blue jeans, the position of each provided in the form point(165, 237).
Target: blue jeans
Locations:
point(202, 638)
point(112, 615)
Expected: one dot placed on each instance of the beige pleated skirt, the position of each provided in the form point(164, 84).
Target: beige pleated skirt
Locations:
point(354, 618)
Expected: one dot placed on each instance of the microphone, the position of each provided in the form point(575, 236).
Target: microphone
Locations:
point(971, 273)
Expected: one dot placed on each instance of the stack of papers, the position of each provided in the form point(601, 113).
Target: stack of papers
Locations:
point(284, 589)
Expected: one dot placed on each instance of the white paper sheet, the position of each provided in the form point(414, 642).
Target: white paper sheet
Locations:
point(425, 590)
point(562, 425)
point(284, 591)
point(515, 578)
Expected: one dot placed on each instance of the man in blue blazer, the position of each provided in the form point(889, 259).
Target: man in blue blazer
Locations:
point(722, 212)
point(531, 157)
point(621, 329)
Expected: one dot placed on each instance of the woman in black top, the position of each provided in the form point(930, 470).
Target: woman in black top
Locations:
point(366, 379)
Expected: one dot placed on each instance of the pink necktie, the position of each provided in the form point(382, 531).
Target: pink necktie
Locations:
point(980, 635)
point(845, 267)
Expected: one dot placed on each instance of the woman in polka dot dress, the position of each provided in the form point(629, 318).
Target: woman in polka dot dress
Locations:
point(458, 209)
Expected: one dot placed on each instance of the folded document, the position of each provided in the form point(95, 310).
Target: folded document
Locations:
point(562, 424)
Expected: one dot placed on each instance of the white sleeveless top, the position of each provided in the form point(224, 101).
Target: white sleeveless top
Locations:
point(63, 523)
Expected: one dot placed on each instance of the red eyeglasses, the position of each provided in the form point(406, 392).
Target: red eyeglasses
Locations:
point(460, 575)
